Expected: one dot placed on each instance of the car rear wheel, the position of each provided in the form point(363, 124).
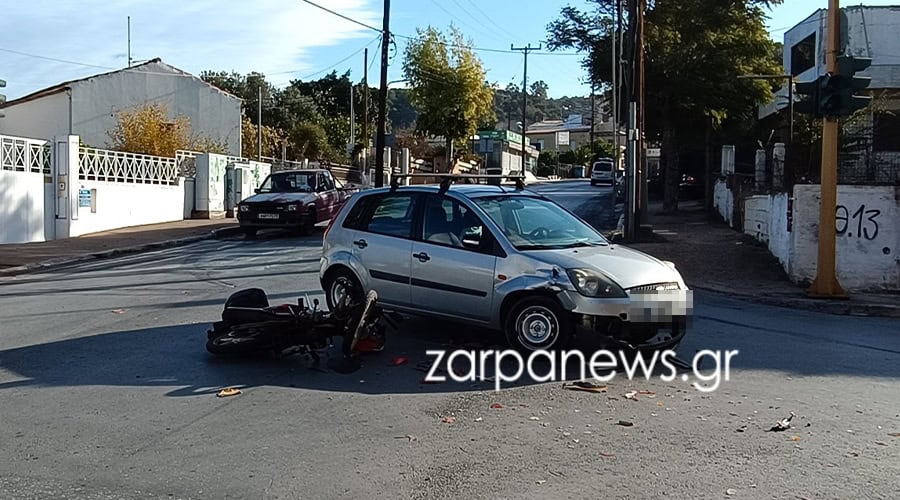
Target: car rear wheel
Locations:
point(538, 323)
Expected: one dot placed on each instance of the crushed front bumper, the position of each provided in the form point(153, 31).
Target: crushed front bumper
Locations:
point(649, 320)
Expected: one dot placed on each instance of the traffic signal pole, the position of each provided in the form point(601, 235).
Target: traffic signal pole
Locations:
point(826, 284)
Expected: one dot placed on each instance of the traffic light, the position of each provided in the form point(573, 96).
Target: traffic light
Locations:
point(848, 66)
point(810, 105)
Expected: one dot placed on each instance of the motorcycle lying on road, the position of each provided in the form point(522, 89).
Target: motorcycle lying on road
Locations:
point(251, 326)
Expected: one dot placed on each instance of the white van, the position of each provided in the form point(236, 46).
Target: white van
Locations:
point(603, 172)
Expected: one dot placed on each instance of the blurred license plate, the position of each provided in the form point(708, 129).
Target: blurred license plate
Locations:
point(268, 216)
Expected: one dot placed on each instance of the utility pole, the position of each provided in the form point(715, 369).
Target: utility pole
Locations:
point(365, 162)
point(382, 102)
point(826, 284)
point(525, 51)
point(642, 197)
point(613, 98)
point(259, 124)
point(129, 41)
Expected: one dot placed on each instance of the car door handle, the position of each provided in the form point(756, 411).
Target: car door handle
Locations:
point(422, 256)
point(361, 243)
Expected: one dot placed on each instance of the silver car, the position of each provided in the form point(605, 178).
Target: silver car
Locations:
point(504, 258)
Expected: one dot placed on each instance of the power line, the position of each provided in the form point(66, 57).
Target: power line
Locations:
point(490, 20)
point(36, 56)
point(333, 65)
point(338, 14)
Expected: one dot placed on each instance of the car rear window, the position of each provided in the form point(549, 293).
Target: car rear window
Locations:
point(603, 167)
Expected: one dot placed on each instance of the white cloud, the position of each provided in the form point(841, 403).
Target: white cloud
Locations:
point(271, 36)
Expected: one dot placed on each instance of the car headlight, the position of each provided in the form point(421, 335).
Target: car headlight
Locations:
point(293, 208)
point(593, 284)
point(244, 208)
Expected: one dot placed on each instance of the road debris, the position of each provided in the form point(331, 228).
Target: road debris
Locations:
point(650, 394)
point(625, 423)
point(408, 438)
point(118, 311)
point(606, 454)
point(399, 360)
point(541, 481)
point(783, 424)
point(795, 438)
point(228, 391)
point(479, 419)
point(496, 406)
point(631, 395)
point(534, 418)
point(585, 386)
point(731, 491)
point(894, 434)
point(880, 443)
point(448, 419)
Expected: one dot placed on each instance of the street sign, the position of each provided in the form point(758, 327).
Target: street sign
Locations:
point(562, 137)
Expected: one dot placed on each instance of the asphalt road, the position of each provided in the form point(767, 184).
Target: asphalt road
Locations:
point(107, 392)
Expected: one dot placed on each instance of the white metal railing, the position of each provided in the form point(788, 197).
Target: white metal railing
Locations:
point(117, 166)
point(24, 155)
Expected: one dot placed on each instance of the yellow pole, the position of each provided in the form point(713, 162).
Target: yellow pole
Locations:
point(826, 283)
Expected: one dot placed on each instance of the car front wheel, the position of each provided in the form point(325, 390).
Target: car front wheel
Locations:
point(538, 323)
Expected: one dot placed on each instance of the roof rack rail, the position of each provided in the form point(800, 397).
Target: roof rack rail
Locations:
point(447, 179)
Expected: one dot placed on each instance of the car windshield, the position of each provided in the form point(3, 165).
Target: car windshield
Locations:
point(538, 224)
point(288, 182)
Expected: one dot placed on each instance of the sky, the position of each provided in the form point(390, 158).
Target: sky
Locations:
point(46, 42)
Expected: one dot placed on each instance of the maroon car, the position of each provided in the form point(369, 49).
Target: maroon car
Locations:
point(293, 199)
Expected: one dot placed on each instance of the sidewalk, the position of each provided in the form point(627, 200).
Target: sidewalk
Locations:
point(28, 257)
point(711, 256)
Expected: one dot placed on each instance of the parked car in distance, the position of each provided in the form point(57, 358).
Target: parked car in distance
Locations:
point(602, 172)
point(500, 257)
point(293, 199)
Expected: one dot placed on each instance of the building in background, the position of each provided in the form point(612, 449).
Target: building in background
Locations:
point(88, 107)
point(502, 151)
point(866, 31)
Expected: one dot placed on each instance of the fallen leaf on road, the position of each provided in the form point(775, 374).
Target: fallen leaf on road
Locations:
point(448, 420)
point(879, 443)
point(606, 454)
point(399, 360)
point(625, 423)
point(118, 311)
point(585, 386)
point(228, 391)
point(795, 438)
point(496, 406)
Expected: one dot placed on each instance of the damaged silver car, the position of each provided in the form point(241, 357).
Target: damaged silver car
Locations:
point(505, 258)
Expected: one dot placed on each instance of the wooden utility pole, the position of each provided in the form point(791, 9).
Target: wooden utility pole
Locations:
point(641, 191)
point(382, 101)
point(525, 50)
point(826, 284)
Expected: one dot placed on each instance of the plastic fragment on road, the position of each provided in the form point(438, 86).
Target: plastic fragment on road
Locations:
point(399, 360)
point(228, 391)
point(585, 386)
point(496, 406)
point(783, 424)
point(631, 395)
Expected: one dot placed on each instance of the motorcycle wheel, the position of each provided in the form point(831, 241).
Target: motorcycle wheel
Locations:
point(238, 341)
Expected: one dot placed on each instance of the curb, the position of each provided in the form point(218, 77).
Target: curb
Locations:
point(116, 252)
point(839, 308)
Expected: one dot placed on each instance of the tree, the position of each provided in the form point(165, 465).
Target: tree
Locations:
point(447, 86)
point(272, 140)
point(308, 140)
point(695, 50)
point(149, 130)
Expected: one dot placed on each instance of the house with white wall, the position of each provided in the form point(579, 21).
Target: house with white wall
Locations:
point(88, 107)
